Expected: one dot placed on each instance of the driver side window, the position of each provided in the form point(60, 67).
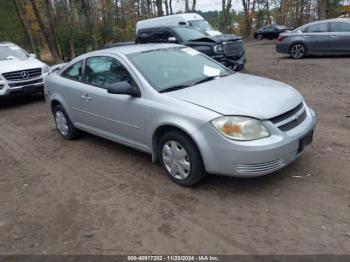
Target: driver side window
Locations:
point(104, 72)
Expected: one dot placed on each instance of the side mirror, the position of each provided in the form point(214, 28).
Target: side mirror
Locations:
point(32, 55)
point(172, 39)
point(123, 88)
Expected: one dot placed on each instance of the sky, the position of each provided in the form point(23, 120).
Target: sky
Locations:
point(208, 5)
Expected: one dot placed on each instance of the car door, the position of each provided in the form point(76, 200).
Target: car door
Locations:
point(340, 37)
point(70, 88)
point(316, 37)
point(118, 117)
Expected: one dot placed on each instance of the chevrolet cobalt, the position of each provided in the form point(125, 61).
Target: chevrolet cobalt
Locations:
point(188, 111)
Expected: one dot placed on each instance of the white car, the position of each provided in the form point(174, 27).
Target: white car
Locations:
point(20, 72)
point(189, 19)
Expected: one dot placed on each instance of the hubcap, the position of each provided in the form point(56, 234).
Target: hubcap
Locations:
point(176, 160)
point(297, 51)
point(61, 123)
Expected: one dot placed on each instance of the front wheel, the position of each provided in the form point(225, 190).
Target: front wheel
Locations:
point(181, 159)
point(260, 37)
point(297, 51)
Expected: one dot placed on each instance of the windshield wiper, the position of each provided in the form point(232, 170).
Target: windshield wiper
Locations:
point(178, 87)
point(173, 88)
point(209, 78)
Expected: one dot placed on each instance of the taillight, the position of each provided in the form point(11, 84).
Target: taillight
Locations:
point(281, 38)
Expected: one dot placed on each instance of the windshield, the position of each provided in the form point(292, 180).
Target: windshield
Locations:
point(171, 67)
point(12, 52)
point(188, 33)
point(202, 25)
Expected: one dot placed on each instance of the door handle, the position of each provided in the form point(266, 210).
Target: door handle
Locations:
point(86, 97)
point(307, 36)
point(334, 36)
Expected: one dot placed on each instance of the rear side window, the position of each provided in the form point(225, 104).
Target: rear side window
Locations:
point(317, 28)
point(74, 71)
point(340, 27)
point(145, 37)
point(155, 37)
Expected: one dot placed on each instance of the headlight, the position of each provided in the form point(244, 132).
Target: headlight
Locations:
point(219, 49)
point(240, 128)
point(46, 69)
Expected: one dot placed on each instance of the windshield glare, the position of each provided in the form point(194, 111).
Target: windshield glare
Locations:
point(202, 25)
point(12, 52)
point(188, 33)
point(166, 68)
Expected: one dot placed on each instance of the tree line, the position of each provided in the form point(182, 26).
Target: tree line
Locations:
point(58, 30)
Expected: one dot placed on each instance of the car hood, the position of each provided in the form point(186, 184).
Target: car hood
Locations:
point(219, 39)
point(18, 64)
point(242, 94)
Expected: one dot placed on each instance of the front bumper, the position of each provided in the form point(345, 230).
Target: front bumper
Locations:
point(251, 158)
point(237, 64)
point(30, 86)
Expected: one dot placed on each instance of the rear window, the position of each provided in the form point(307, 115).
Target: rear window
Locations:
point(340, 27)
point(317, 28)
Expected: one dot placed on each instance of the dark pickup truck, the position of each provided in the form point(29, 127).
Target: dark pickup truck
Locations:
point(226, 49)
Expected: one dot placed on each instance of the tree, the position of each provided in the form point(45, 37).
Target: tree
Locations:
point(159, 5)
point(24, 23)
point(47, 33)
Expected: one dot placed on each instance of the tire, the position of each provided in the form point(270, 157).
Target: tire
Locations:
point(181, 159)
point(260, 37)
point(297, 51)
point(64, 124)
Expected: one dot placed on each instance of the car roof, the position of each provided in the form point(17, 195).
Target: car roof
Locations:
point(347, 20)
point(167, 20)
point(6, 43)
point(131, 49)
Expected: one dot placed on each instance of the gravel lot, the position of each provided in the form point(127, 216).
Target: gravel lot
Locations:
point(92, 196)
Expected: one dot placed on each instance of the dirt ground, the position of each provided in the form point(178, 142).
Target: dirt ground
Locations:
point(92, 196)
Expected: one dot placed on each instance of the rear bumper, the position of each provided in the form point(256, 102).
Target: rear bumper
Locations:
point(282, 48)
point(27, 87)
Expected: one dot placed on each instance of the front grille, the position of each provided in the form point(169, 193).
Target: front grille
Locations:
point(293, 123)
point(233, 49)
point(22, 74)
point(40, 80)
point(267, 166)
point(286, 115)
point(286, 121)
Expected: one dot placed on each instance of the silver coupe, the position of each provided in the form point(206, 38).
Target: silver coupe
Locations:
point(189, 112)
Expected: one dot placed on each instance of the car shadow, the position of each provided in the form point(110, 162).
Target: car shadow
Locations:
point(15, 101)
point(287, 57)
point(210, 183)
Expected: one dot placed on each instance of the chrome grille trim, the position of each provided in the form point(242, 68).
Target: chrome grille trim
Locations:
point(18, 75)
point(267, 166)
point(40, 80)
point(234, 48)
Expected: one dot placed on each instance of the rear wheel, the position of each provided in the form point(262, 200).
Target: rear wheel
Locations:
point(64, 124)
point(297, 51)
point(181, 159)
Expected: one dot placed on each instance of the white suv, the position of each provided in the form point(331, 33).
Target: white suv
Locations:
point(20, 72)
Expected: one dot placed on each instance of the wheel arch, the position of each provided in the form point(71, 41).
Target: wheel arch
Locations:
point(299, 42)
point(161, 130)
